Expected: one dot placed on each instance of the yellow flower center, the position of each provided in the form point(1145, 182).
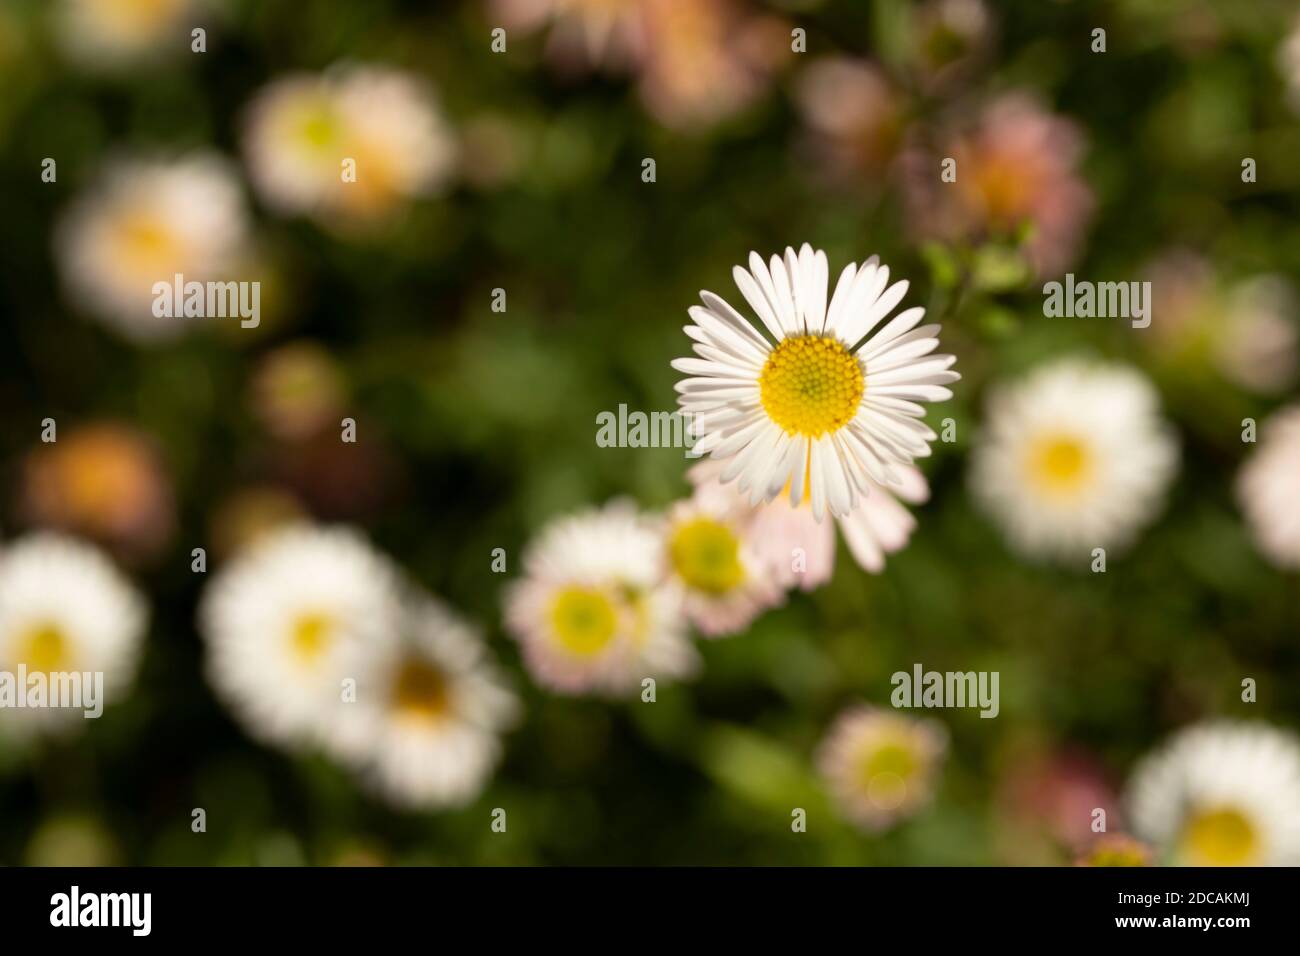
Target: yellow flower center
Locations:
point(147, 244)
point(310, 635)
point(886, 770)
point(584, 620)
point(421, 691)
point(319, 126)
point(705, 552)
point(811, 385)
point(1219, 836)
point(1060, 464)
point(43, 647)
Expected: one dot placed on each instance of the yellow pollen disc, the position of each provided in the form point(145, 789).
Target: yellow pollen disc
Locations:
point(886, 770)
point(319, 126)
point(584, 619)
point(421, 691)
point(310, 635)
point(1060, 464)
point(1219, 836)
point(811, 385)
point(44, 648)
point(705, 553)
point(146, 243)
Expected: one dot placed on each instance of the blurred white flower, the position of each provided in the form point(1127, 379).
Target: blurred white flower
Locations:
point(289, 621)
point(347, 145)
point(881, 767)
point(1221, 793)
point(433, 712)
point(592, 612)
point(112, 33)
point(65, 608)
point(1255, 347)
point(1268, 488)
point(725, 585)
point(1073, 457)
point(799, 551)
point(146, 222)
point(832, 406)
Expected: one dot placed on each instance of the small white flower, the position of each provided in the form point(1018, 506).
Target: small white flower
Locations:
point(65, 608)
point(1268, 488)
point(1073, 457)
point(302, 129)
point(1222, 793)
point(144, 223)
point(592, 612)
point(799, 551)
point(433, 712)
point(824, 407)
point(290, 621)
point(725, 585)
point(881, 766)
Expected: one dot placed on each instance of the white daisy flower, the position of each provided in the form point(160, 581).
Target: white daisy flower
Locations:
point(302, 130)
point(146, 222)
point(881, 766)
point(1268, 487)
point(1222, 793)
point(1073, 457)
point(292, 620)
point(592, 612)
point(65, 608)
point(110, 33)
point(823, 407)
point(724, 583)
point(799, 551)
point(434, 712)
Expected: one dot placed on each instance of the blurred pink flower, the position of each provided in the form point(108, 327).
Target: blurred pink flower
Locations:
point(853, 115)
point(1016, 167)
point(1058, 792)
point(707, 60)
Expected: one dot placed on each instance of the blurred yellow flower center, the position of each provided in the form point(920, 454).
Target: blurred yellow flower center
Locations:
point(705, 552)
point(811, 385)
point(584, 619)
point(886, 770)
point(319, 125)
point(144, 241)
point(1003, 188)
point(1059, 464)
point(421, 691)
point(1219, 836)
point(310, 635)
point(43, 647)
